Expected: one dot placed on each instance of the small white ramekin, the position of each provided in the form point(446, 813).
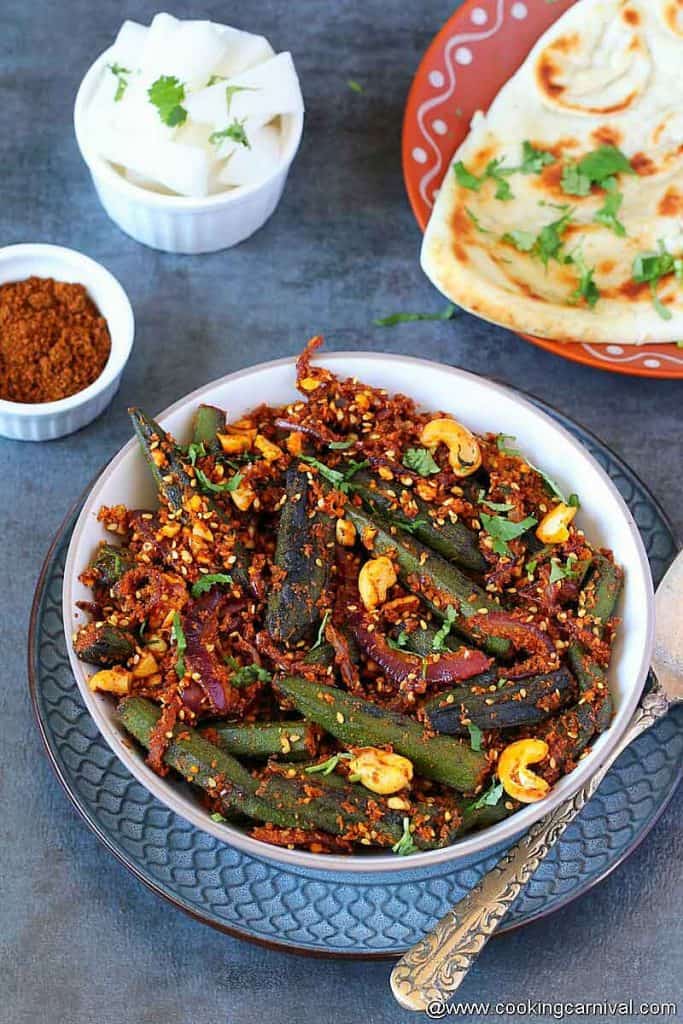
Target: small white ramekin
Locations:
point(178, 223)
point(45, 421)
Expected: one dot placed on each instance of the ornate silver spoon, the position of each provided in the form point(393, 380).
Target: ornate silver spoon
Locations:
point(435, 967)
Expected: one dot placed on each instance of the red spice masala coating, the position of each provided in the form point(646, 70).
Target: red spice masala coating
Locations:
point(53, 340)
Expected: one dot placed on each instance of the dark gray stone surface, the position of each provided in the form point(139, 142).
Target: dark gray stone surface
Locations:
point(83, 942)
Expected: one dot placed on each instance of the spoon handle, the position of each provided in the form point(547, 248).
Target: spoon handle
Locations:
point(433, 968)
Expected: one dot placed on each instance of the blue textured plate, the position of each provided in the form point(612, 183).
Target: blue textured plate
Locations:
point(318, 912)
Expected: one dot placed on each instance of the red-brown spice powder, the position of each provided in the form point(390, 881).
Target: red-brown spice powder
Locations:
point(53, 340)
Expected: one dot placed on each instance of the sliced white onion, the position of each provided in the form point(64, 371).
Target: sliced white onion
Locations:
point(128, 45)
point(260, 94)
point(244, 50)
point(248, 166)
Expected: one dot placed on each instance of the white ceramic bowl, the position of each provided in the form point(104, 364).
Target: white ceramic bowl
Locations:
point(45, 421)
point(483, 406)
point(179, 223)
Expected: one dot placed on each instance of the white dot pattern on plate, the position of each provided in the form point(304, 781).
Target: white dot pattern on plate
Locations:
point(652, 364)
point(479, 16)
point(436, 78)
point(463, 55)
point(440, 127)
point(420, 155)
point(519, 11)
point(615, 350)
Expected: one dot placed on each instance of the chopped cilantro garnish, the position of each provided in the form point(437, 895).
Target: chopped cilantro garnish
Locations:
point(212, 579)
point(178, 638)
point(405, 845)
point(409, 318)
point(230, 91)
point(651, 267)
point(244, 675)
point(546, 245)
point(489, 798)
point(167, 95)
point(440, 637)
point(498, 173)
point(355, 86)
point(501, 444)
point(421, 461)
point(586, 289)
point(335, 477)
point(608, 214)
point(502, 530)
point(195, 450)
point(214, 80)
point(477, 223)
point(595, 168)
point(321, 631)
point(465, 178)
point(328, 766)
point(573, 501)
point(340, 446)
point(475, 735)
point(497, 506)
point(559, 572)
point(234, 131)
point(534, 160)
point(121, 75)
point(218, 817)
point(208, 485)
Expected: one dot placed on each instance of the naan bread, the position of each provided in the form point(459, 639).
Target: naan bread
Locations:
point(608, 73)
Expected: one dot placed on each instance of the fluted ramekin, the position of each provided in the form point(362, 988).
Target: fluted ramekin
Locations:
point(45, 421)
point(178, 223)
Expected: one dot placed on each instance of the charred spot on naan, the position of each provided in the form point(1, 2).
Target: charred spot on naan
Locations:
point(572, 72)
point(644, 165)
point(607, 135)
point(672, 15)
point(671, 203)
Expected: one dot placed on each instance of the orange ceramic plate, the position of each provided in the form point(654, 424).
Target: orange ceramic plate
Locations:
point(474, 54)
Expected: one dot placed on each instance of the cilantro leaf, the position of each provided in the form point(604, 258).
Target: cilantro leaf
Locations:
point(355, 86)
point(338, 479)
point(502, 447)
point(195, 450)
point(465, 178)
point(595, 168)
point(218, 817)
point(230, 91)
point(400, 643)
point(178, 638)
point(608, 214)
point(477, 223)
point(212, 579)
point(502, 530)
point(475, 735)
point(167, 95)
point(234, 131)
point(533, 159)
point(321, 631)
point(214, 80)
point(208, 485)
point(340, 446)
point(406, 844)
point(559, 572)
point(440, 637)
point(498, 173)
point(574, 183)
point(524, 241)
point(328, 766)
point(587, 288)
point(244, 675)
point(489, 798)
point(121, 75)
point(651, 267)
point(408, 318)
point(546, 245)
point(421, 461)
point(497, 506)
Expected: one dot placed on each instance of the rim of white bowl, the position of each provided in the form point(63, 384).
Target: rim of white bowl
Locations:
point(88, 270)
point(488, 838)
point(182, 204)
